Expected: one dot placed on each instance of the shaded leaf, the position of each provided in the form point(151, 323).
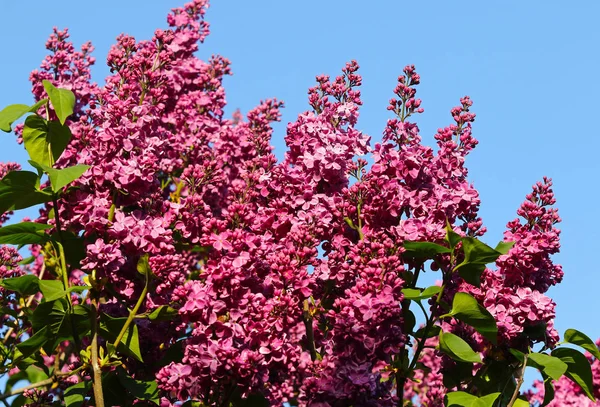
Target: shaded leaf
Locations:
point(130, 344)
point(24, 285)
point(34, 343)
point(75, 395)
point(19, 190)
point(163, 313)
point(578, 370)
point(423, 250)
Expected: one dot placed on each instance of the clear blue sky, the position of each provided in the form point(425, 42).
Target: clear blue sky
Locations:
point(530, 67)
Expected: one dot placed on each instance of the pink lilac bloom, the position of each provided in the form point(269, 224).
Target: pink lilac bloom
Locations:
point(285, 277)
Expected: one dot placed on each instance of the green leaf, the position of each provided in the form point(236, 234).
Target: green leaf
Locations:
point(468, 310)
point(74, 246)
point(417, 295)
point(139, 389)
point(504, 247)
point(12, 113)
point(424, 250)
point(32, 374)
point(457, 348)
point(163, 313)
point(130, 344)
point(75, 395)
point(143, 267)
point(19, 190)
point(114, 392)
point(431, 332)
point(478, 252)
point(548, 390)
point(521, 403)
point(580, 339)
point(60, 178)
point(452, 237)
point(63, 101)
point(52, 289)
point(477, 255)
point(40, 136)
point(550, 365)
point(578, 370)
point(34, 343)
point(55, 314)
point(471, 273)
point(24, 233)
point(27, 260)
point(460, 399)
point(24, 285)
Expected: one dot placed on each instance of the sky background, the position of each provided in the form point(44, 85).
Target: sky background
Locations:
point(530, 67)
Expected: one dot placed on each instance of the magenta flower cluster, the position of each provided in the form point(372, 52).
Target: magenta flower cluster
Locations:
point(286, 276)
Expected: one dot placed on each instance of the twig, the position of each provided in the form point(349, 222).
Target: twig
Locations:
point(519, 380)
point(98, 394)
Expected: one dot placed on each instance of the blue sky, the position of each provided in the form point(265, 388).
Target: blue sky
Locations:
point(530, 68)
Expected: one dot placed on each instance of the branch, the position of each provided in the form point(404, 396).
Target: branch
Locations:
point(98, 394)
point(519, 379)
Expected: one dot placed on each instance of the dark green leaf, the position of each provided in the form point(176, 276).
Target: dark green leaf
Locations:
point(471, 273)
point(114, 392)
point(478, 252)
point(423, 250)
point(74, 246)
point(477, 255)
point(34, 343)
point(548, 391)
point(431, 332)
point(19, 190)
point(163, 313)
point(130, 344)
point(417, 295)
point(75, 395)
point(139, 389)
point(549, 365)
point(63, 101)
point(457, 348)
point(38, 134)
point(468, 310)
point(580, 339)
point(24, 285)
point(578, 370)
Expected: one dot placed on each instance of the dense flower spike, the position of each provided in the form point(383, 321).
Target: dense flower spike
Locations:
point(243, 277)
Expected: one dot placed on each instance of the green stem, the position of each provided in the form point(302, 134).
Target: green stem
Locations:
point(310, 334)
point(98, 392)
point(133, 313)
